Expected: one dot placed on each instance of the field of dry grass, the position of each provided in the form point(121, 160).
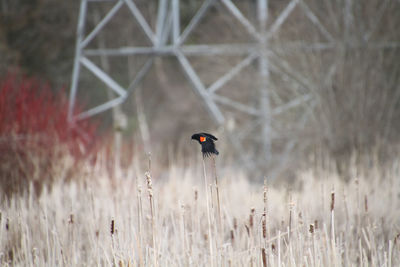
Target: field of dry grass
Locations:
point(139, 219)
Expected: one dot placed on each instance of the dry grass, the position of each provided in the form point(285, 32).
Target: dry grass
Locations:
point(142, 220)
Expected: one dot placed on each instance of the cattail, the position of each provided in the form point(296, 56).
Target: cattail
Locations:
point(232, 236)
point(366, 203)
point(71, 219)
point(311, 229)
point(264, 228)
point(264, 222)
point(7, 224)
point(247, 229)
point(251, 217)
point(397, 237)
point(264, 257)
point(196, 195)
point(112, 227)
point(316, 224)
point(333, 219)
point(291, 205)
point(149, 184)
point(265, 192)
point(150, 191)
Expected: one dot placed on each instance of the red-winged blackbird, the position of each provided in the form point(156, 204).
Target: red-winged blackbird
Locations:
point(207, 143)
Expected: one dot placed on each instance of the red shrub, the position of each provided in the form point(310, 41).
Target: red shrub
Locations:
point(35, 135)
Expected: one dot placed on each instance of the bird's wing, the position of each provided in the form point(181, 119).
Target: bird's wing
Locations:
point(208, 147)
point(210, 136)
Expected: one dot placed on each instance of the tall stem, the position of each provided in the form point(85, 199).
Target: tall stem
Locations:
point(208, 214)
point(217, 189)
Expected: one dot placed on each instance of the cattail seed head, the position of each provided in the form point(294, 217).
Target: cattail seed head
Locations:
point(264, 228)
point(264, 257)
point(112, 227)
point(311, 228)
point(265, 191)
point(396, 239)
point(149, 184)
point(247, 229)
point(251, 217)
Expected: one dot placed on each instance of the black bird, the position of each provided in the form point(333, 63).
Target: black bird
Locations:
point(207, 143)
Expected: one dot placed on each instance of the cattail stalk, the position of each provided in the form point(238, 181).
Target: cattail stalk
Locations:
point(290, 215)
point(208, 215)
point(358, 203)
point(279, 248)
point(218, 199)
point(264, 225)
point(333, 227)
point(266, 232)
point(183, 233)
point(151, 200)
point(196, 211)
point(140, 216)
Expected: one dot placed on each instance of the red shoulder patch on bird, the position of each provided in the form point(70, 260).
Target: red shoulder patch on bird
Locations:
point(202, 139)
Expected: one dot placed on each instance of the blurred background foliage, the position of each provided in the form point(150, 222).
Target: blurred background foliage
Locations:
point(356, 106)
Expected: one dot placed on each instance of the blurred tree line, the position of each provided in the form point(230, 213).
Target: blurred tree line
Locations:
point(38, 36)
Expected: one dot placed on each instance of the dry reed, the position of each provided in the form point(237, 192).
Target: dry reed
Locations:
point(178, 227)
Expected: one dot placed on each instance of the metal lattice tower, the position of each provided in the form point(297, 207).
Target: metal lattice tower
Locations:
point(168, 38)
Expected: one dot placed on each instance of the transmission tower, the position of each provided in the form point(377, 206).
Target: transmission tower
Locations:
point(168, 38)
